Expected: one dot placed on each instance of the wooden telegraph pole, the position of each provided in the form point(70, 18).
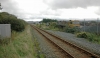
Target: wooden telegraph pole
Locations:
point(0, 7)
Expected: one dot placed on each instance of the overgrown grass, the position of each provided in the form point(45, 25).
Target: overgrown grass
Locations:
point(20, 46)
point(89, 36)
point(4, 41)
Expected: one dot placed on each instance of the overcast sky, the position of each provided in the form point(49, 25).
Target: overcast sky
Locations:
point(61, 9)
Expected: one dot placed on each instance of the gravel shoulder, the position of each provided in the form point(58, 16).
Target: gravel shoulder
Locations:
point(93, 47)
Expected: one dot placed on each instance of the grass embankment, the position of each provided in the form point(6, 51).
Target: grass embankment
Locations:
point(20, 46)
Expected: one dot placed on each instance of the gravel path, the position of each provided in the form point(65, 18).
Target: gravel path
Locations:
point(93, 47)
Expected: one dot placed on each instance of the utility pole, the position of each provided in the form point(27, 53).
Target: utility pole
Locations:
point(84, 25)
point(97, 25)
point(0, 7)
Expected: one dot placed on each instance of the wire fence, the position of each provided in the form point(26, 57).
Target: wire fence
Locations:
point(92, 26)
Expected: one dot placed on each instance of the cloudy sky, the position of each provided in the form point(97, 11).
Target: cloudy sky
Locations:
point(35, 10)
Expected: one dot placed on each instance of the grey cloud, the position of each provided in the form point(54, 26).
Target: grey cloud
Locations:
point(46, 12)
point(98, 12)
point(36, 17)
point(56, 4)
point(39, 16)
point(9, 6)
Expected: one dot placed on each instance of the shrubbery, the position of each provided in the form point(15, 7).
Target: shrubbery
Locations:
point(89, 36)
point(46, 20)
point(71, 30)
point(16, 24)
point(82, 35)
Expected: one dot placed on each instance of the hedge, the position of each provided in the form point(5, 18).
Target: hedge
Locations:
point(16, 24)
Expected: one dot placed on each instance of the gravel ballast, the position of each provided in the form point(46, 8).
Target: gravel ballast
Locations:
point(45, 47)
point(93, 47)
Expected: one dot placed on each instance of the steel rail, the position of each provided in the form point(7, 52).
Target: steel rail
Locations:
point(64, 51)
point(73, 45)
point(92, 55)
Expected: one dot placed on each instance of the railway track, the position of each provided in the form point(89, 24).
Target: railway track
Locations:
point(68, 49)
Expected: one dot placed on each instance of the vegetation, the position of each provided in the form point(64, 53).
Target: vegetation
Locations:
point(71, 30)
point(48, 24)
point(20, 46)
point(45, 20)
point(82, 35)
point(16, 24)
point(74, 30)
point(4, 40)
point(89, 36)
point(52, 25)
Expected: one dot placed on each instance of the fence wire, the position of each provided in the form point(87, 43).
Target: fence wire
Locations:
point(92, 26)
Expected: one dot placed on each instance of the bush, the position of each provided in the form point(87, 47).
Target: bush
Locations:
point(93, 37)
point(16, 24)
point(71, 30)
point(90, 36)
point(82, 35)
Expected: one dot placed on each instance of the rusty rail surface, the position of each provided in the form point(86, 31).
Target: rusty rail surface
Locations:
point(89, 54)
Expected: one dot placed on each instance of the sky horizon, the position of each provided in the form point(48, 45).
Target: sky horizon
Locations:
point(36, 10)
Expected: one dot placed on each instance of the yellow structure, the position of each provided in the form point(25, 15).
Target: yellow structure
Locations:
point(74, 23)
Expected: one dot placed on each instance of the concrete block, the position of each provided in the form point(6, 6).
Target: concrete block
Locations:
point(5, 30)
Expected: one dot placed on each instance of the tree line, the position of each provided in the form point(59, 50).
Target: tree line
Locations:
point(46, 20)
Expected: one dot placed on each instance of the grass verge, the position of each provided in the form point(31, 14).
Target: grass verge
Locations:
point(20, 45)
